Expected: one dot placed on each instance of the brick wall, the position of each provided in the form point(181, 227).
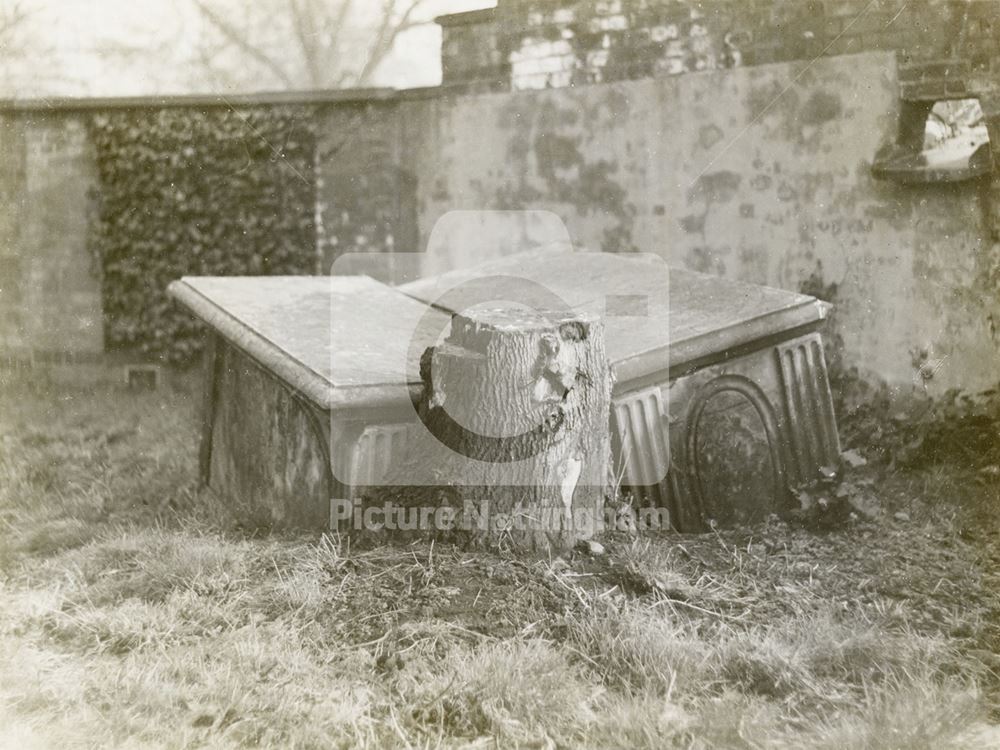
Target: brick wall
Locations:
point(471, 53)
point(945, 48)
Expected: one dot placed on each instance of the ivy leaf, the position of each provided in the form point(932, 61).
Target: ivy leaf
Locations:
point(183, 191)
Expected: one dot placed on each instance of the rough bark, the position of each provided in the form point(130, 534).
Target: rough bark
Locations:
point(515, 429)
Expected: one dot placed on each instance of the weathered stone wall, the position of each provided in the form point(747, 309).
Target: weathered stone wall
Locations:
point(946, 47)
point(50, 302)
point(757, 173)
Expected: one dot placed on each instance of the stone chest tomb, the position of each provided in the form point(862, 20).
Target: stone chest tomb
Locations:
point(721, 402)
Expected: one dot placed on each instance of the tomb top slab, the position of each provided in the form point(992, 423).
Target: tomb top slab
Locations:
point(343, 341)
point(657, 318)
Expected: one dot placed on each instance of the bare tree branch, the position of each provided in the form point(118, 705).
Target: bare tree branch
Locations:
point(386, 37)
point(29, 63)
point(234, 36)
point(335, 24)
point(313, 43)
point(12, 18)
point(307, 41)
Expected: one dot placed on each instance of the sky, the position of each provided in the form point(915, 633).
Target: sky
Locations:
point(141, 47)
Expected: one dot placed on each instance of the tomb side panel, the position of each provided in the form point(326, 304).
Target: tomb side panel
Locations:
point(269, 455)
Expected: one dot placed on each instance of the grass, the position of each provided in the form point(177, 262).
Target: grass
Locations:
point(134, 613)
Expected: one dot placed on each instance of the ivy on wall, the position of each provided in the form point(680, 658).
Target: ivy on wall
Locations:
point(212, 192)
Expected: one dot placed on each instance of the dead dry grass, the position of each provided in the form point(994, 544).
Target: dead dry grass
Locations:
point(134, 614)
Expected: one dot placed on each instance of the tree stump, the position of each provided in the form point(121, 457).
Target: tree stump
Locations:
point(515, 437)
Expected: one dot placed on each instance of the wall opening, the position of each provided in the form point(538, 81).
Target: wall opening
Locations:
point(937, 141)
